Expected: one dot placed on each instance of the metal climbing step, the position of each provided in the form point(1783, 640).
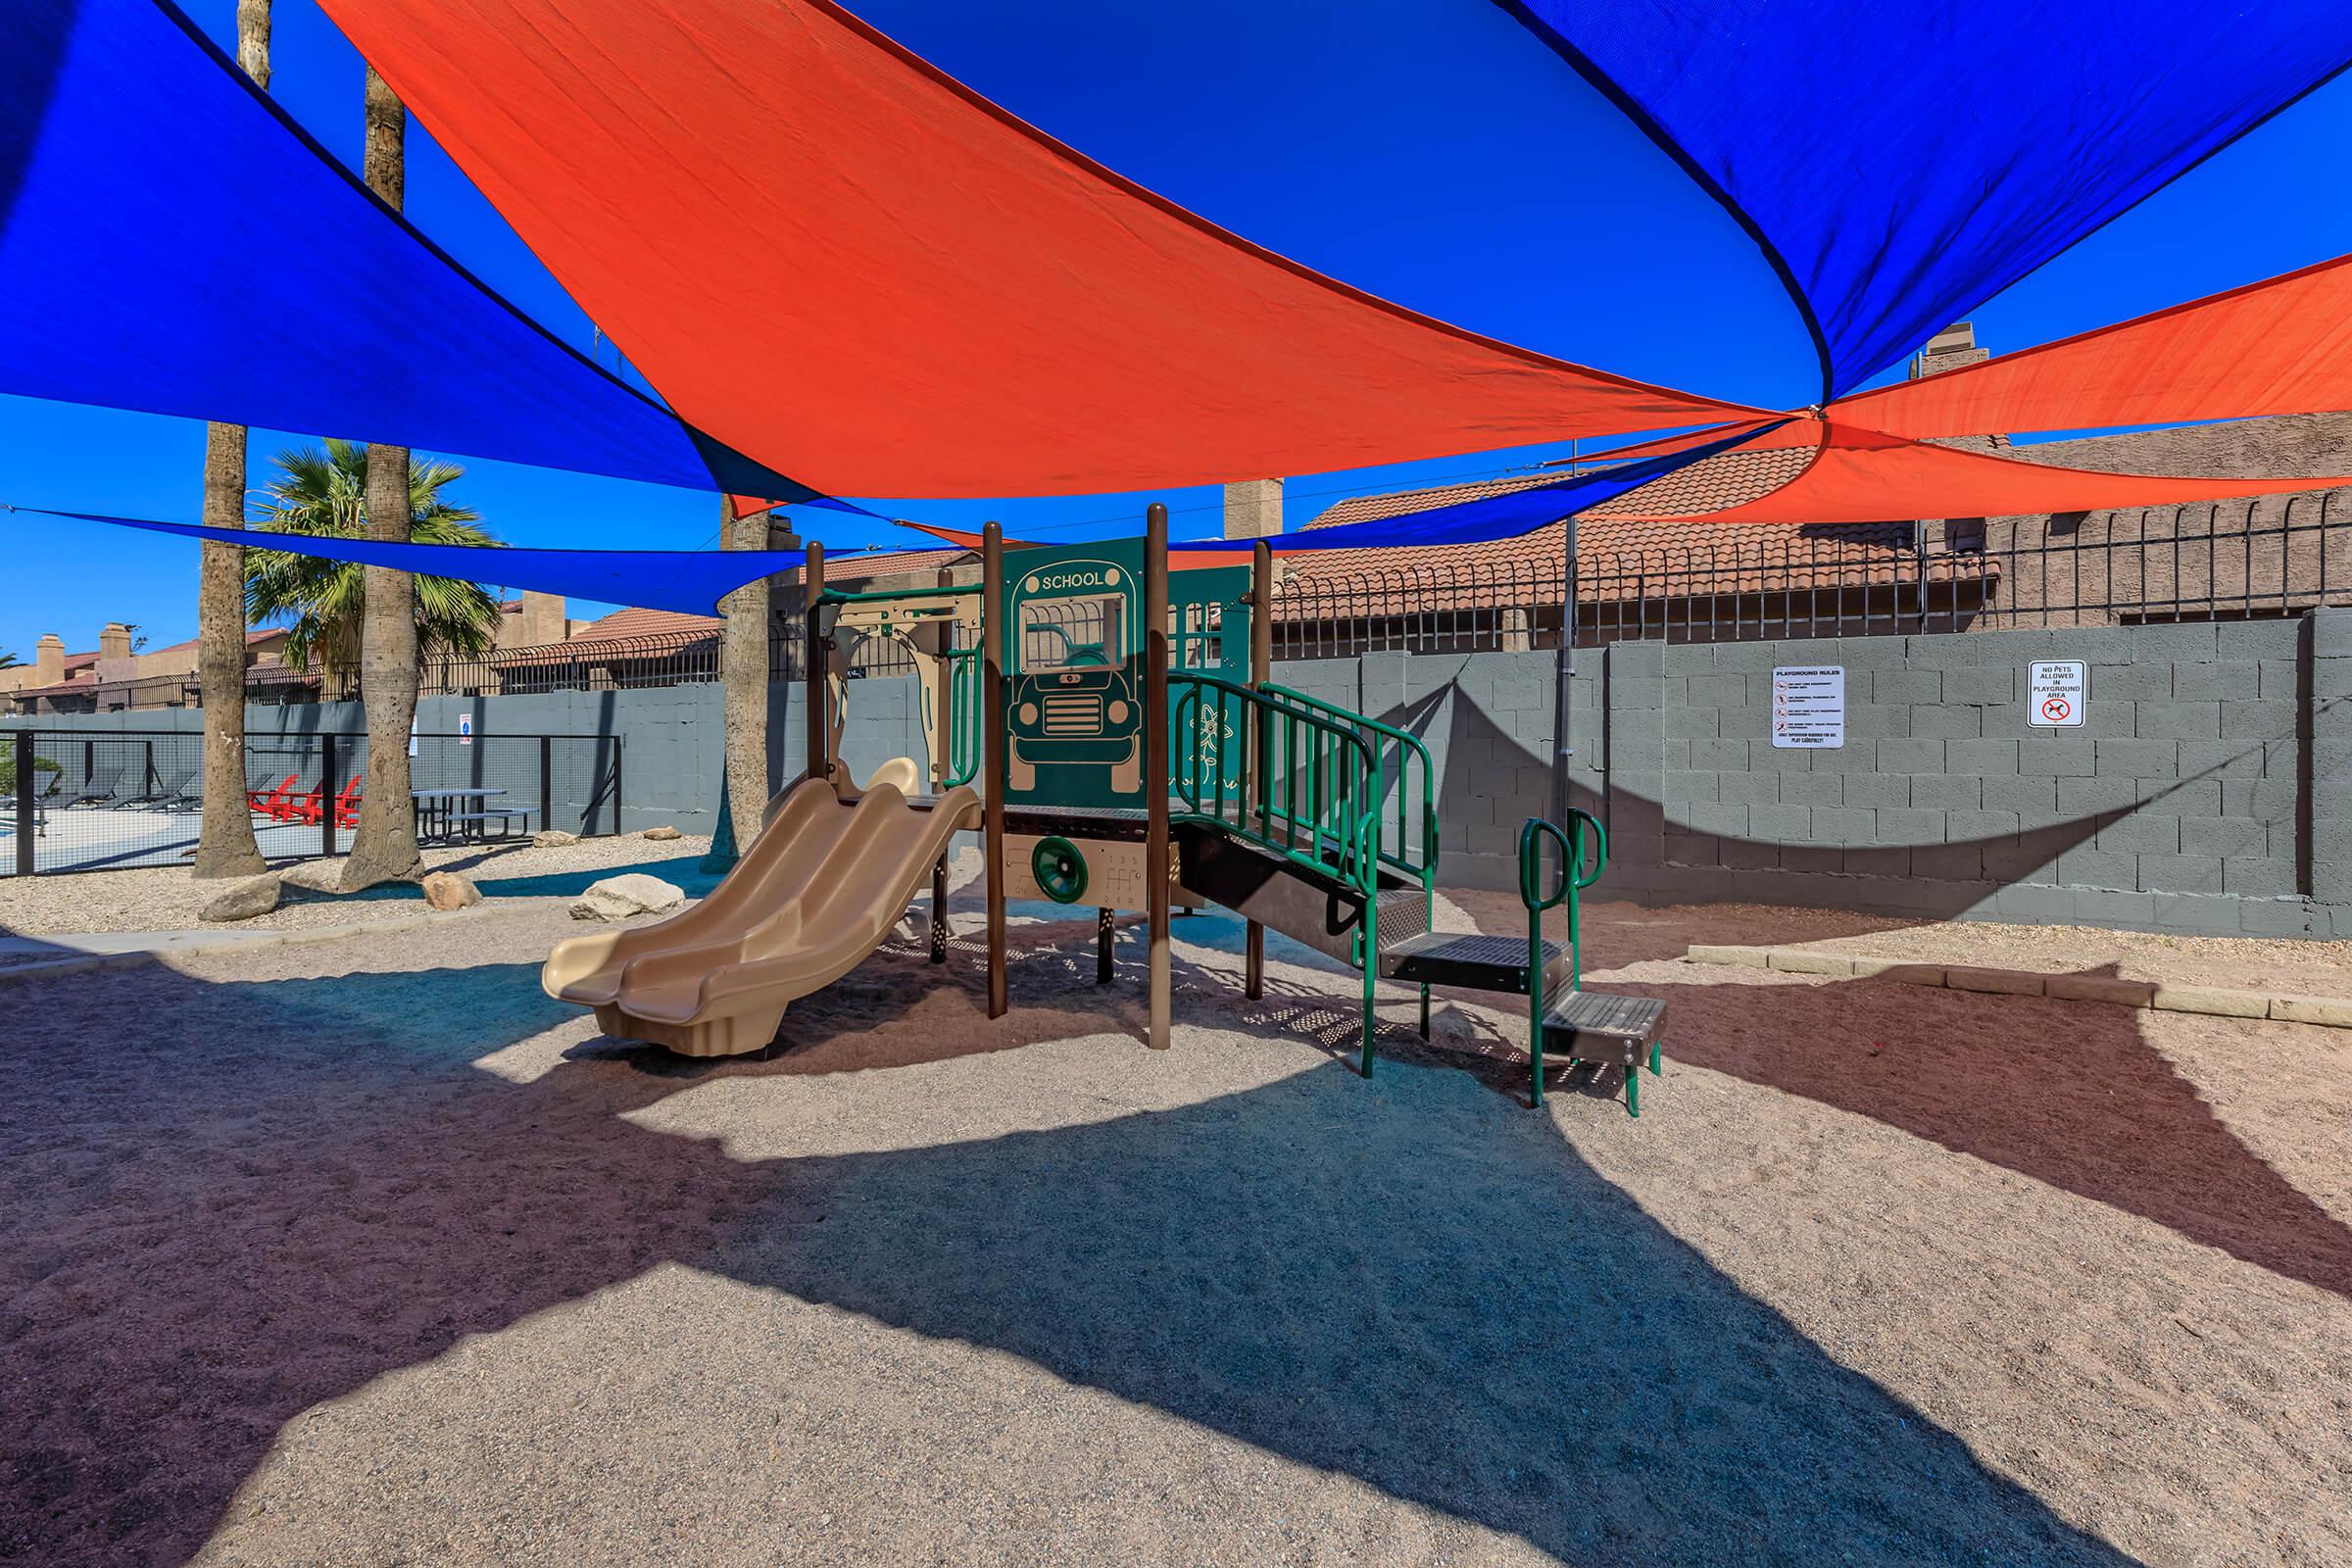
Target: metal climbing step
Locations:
point(1477, 962)
point(1589, 1026)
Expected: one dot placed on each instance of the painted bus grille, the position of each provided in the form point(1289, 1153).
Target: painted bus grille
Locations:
point(1073, 715)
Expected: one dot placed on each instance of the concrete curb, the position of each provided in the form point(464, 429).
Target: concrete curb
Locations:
point(237, 942)
point(2221, 1002)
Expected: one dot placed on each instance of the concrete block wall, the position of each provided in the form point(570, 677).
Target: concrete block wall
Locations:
point(2200, 795)
point(2176, 806)
point(2210, 789)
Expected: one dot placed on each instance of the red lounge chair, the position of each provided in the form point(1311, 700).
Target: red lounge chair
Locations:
point(347, 807)
point(275, 804)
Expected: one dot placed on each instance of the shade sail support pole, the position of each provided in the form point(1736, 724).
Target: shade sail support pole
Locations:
point(992, 739)
point(1157, 891)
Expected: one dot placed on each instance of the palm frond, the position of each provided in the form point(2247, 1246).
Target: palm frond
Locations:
point(321, 602)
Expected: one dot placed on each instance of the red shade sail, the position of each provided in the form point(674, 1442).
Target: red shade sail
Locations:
point(2281, 346)
point(827, 253)
point(1179, 559)
point(1860, 475)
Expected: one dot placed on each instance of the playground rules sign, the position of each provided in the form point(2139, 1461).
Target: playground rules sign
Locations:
point(1808, 707)
point(2054, 693)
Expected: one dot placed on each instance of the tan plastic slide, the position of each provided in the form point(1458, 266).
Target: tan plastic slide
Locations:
point(820, 888)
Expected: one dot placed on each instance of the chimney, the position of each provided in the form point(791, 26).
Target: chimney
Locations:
point(540, 621)
point(49, 660)
point(1948, 350)
point(114, 641)
point(1253, 509)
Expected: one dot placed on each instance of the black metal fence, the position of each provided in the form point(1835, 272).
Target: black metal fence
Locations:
point(661, 658)
point(2227, 560)
point(2230, 560)
point(88, 799)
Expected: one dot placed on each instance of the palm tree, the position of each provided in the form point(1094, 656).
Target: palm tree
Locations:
point(743, 679)
point(384, 848)
point(224, 845)
point(10, 661)
point(323, 602)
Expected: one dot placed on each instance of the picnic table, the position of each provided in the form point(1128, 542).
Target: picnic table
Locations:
point(439, 814)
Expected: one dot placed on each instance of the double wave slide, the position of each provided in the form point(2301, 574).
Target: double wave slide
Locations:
point(817, 891)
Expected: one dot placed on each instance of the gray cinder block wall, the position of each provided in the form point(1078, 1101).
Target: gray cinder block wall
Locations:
point(2207, 790)
point(2210, 789)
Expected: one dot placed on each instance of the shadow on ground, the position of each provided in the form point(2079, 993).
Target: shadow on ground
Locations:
point(2070, 1094)
point(243, 1199)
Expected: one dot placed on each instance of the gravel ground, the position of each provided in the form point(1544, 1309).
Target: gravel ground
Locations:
point(366, 1253)
point(2253, 963)
point(168, 899)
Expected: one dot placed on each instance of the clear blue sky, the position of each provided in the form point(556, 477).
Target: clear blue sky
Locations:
point(1429, 150)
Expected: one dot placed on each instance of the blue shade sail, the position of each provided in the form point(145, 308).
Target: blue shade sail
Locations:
point(171, 242)
point(1503, 517)
point(689, 581)
point(1901, 161)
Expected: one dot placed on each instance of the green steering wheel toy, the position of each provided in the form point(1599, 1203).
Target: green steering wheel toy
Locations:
point(1059, 869)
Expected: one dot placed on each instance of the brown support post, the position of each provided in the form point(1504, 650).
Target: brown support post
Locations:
point(812, 584)
point(991, 719)
point(1155, 766)
point(1254, 741)
point(939, 911)
point(29, 805)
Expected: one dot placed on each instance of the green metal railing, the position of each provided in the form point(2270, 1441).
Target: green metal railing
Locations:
point(1313, 786)
point(1409, 848)
point(888, 595)
point(1574, 879)
point(961, 677)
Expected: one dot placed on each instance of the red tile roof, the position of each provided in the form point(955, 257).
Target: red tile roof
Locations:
point(1618, 558)
point(624, 624)
point(254, 637)
point(622, 632)
point(891, 563)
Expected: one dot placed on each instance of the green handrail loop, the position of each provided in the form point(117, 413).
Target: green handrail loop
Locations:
point(1531, 864)
point(1574, 879)
point(1586, 821)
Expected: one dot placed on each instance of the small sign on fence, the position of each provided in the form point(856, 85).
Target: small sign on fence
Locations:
point(2054, 693)
point(1808, 707)
point(465, 726)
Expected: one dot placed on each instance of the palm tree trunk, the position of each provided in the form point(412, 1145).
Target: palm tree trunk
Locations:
point(224, 842)
point(743, 673)
point(384, 847)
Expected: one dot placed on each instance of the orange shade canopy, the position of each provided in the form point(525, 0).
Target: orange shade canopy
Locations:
point(829, 255)
point(2281, 346)
point(1863, 476)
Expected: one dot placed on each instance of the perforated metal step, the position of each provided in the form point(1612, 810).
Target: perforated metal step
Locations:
point(1592, 1027)
point(1477, 962)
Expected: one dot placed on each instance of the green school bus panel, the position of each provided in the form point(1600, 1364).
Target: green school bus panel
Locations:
point(1074, 705)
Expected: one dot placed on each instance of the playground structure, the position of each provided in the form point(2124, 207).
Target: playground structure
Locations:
point(1113, 732)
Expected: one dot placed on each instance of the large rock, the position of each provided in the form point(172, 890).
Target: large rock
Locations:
point(554, 838)
point(447, 890)
point(315, 876)
point(242, 901)
point(660, 834)
point(618, 898)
